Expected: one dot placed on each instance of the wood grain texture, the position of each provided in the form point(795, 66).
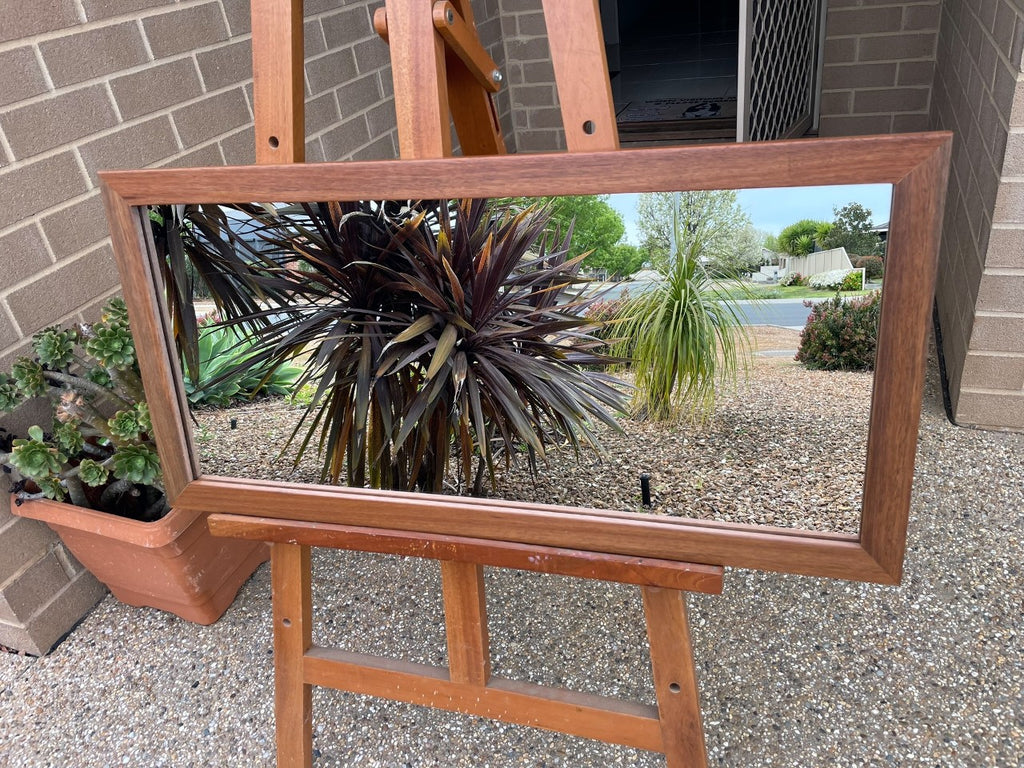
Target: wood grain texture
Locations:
point(293, 616)
point(500, 554)
point(675, 679)
point(856, 160)
point(581, 73)
point(417, 67)
point(580, 714)
point(619, 533)
point(465, 618)
point(132, 244)
point(915, 163)
point(913, 241)
point(460, 37)
point(278, 90)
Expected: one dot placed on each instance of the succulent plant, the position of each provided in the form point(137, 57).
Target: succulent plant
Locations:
point(112, 346)
point(28, 375)
point(10, 394)
point(52, 488)
point(124, 425)
point(99, 375)
point(35, 458)
point(137, 464)
point(101, 431)
point(55, 347)
point(115, 311)
point(69, 437)
point(92, 473)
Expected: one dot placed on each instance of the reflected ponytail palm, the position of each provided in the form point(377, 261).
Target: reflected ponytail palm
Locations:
point(684, 337)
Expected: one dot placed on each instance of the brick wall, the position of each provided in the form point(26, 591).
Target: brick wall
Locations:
point(979, 96)
point(536, 116)
point(94, 84)
point(878, 68)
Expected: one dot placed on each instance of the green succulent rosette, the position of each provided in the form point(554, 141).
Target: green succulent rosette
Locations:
point(68, 437)
point(92, 473)
point(36, 459)
point(99, 375)
point(28, 375)
point(112, 345)
point(52, 488)
point(55, 347)
point(115, 311)
point(124, 425)
point(142, 414)
point(10, 394)
point(137, 464)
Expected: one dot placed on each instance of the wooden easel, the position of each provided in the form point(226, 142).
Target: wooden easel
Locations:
point(441, 69)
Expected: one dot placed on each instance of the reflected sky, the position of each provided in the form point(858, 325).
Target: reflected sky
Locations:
point(773, 209)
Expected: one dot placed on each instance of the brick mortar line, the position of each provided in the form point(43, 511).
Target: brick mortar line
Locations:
point(150, 56)
point(166, 111)
point(364, 146)
point(7, 149)
point(36, 218)
point(921, 4)
point(41, 63)
point(880, 35)
point(859, 62)
point(999, 314)
point(14, 324)
point(1012, 393)
point(345, 116)
point(138, 68)
point(62, 320)
point(877, 89)
point(52, 268)
point(994, 353)
point(924, 111)
point(988, 34)
point(89, 26)
point(977, 125)
point(82, 17)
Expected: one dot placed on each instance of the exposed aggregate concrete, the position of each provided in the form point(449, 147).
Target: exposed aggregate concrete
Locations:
point(794, 671)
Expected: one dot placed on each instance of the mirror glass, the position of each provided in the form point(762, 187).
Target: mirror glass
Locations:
point(630, 352)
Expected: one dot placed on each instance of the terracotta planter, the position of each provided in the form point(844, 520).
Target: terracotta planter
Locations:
point(173, 564)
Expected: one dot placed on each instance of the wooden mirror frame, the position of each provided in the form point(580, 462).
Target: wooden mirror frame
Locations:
point(915, 164)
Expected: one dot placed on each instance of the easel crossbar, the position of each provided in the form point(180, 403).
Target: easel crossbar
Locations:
point(642, 571)
point(587, 715)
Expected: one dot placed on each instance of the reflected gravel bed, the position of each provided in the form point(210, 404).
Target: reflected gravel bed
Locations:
point(794, 671)
point(786, 448)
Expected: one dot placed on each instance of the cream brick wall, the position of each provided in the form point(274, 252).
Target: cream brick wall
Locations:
point(88, 85)
point(878, 68)
point(93, 84)
point(979, 95)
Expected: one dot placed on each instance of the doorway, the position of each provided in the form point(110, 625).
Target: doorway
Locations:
point(673, 68)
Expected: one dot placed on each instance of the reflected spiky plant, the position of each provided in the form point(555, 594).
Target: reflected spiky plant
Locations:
point(427, 325)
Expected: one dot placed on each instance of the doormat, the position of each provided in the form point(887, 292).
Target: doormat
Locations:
point(674, 110)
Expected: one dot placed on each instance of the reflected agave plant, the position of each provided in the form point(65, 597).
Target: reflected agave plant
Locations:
point(433, 331)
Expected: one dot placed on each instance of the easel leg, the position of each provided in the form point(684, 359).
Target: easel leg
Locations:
point(465, 612)
point(293, 614)
point(675, 679)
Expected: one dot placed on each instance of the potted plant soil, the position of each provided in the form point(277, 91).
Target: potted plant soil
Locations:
point(94, 476)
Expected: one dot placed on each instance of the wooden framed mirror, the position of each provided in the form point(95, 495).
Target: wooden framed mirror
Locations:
point(916, 167)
